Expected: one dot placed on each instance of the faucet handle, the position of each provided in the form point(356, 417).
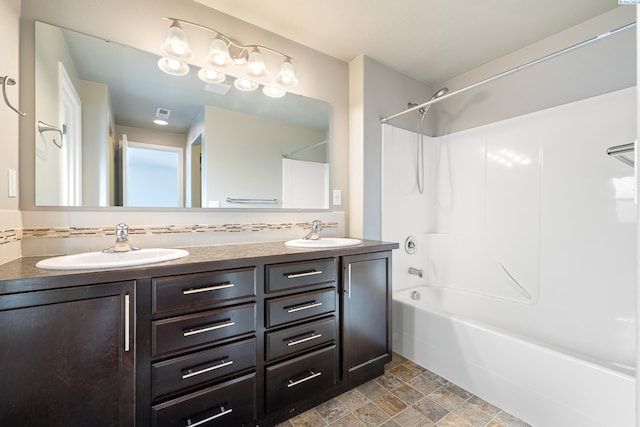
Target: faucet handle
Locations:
point(122, 231)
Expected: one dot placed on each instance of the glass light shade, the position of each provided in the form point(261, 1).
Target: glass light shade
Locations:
point(211, 76)
point(286, 76)
point(219, 53)
point(273, 91)
point(255, 63)
point(245, 84)
point(173, 66)
point(161, 122)
point(176, 45)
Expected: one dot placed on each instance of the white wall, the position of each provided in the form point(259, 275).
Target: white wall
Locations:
point(538, 196)
point(10, 218)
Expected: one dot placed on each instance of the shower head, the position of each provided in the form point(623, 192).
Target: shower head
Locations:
point(439, 93)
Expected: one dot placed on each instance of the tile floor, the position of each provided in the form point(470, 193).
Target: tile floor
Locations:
point(407, 395)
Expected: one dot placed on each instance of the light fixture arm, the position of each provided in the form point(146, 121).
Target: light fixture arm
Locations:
point(243, 48)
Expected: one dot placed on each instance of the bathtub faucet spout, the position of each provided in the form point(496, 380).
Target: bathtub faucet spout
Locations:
point(415, 271)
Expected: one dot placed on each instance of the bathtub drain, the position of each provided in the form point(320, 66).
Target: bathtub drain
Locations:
point(415, 295)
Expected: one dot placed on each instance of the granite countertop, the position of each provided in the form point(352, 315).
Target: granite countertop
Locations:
point(23, 275)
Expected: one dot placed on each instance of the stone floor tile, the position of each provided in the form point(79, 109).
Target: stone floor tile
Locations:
point(389, 381)
point(483, 405)
point(285, 424)
point(390, 403)
point(452, 420)
point(372, 389)
point(424, 384)
point(349, 420)
point(504, 419)
point(414, 366)
point(310, 418)
point(412, 418)
point(449, 396)
point(390, 423)
point(371, 415)
point(353, 399)
point(404, 373)
point(332, 410)
point(430, 409)
point(472, 415)
point(408, 394)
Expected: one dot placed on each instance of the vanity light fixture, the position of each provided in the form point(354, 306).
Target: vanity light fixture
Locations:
point(225, 53)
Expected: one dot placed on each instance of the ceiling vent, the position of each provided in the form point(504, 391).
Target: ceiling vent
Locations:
point(219, 88)
point(163, 113)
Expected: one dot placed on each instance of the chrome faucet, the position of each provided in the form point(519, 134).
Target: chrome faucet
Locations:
point(316, 230)
point(122, 240)
point(415, 271)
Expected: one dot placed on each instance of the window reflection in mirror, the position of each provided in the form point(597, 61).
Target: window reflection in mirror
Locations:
point(236, 148)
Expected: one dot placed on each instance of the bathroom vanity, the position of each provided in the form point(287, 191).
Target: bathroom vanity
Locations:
point(231, 335)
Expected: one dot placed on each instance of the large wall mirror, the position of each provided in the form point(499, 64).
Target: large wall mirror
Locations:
point(97, 144)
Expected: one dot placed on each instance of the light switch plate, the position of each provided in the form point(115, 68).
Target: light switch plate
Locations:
point(12, 183)
point(337, 197)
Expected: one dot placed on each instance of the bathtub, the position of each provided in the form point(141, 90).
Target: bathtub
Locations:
point(543, 385)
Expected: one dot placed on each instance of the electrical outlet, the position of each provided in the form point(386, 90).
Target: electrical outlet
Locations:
point(337, 197)
point(12, 184)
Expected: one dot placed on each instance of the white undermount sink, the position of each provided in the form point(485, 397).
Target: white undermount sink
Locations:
point(324, 242)
point(92, 260)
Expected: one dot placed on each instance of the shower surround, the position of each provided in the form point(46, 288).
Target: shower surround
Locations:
point(528, 228)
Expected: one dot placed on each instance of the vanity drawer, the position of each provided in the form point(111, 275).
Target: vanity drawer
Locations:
point(293, 340)
point(195, 329)
point(187, 371)
point(295, 379)
point(192, 290)
point(232, 404)
point(300, 306)
point(296, 274)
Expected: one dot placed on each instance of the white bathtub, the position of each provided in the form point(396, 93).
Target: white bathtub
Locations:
point(543, 385)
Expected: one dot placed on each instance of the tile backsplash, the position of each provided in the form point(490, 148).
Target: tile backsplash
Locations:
point(62, 232)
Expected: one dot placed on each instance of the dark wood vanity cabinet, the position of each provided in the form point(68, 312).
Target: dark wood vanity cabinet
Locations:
point(203, 349)
point(236, 341)
point(366, 309)
point(67, 356)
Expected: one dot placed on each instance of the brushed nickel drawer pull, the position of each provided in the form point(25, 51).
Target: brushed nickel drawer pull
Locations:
point(225, 324)
point(206, 420)
point(207, 289)
point(303, 307)
point(209, 369)
point(302, 340)
point(305, 274)
point(310, 377)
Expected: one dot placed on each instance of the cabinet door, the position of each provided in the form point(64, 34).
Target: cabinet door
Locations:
point(67, 357)
point(366, 299)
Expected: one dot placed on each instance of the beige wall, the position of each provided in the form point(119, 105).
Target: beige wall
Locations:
point(140, 24)
point(10, 218)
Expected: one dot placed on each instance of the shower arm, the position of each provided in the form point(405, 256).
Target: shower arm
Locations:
point(511, 71)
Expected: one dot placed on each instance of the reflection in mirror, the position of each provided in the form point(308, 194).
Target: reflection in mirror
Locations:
point(216, 146)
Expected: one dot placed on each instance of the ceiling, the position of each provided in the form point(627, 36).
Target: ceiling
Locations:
point(429, 40)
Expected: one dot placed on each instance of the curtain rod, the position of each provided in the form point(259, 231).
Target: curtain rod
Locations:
point(511, 71)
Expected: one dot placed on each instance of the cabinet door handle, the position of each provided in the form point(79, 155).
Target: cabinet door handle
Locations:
point(302, 340)
point(307, 378)
point(304, 274)
point(127, 321)
point(349, 280)
point(190, 422)
point(224, 324)
point(207, 289)
point(207, 369)
point(303, 307)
